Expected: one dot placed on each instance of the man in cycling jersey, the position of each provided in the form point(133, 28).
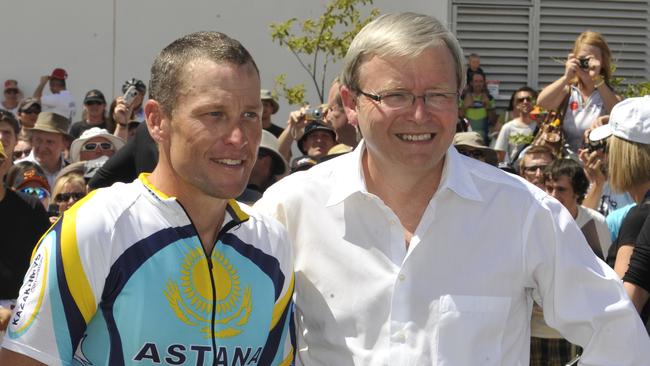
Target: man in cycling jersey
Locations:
point(168, 269)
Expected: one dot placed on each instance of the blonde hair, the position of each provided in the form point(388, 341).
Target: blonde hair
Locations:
point(629, 164)
point(74, 178)
point(596, 39)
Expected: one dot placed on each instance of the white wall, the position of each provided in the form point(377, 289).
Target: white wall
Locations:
point(102, 43)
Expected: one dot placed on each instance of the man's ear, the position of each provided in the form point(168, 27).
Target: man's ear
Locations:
point(349, 100)
point(158, 123)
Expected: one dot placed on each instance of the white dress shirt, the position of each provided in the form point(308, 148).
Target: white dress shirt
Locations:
point(462, 293)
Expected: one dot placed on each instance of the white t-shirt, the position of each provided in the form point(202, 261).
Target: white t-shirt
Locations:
point(60, 103)
point(508, 132)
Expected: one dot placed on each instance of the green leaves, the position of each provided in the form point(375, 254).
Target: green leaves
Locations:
point(318, 42)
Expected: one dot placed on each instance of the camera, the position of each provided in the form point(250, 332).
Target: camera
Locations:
point(600, 145)
point(130, 94)
point(584, 63)
point(314, 114)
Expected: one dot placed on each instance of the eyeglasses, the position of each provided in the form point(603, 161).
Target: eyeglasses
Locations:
point(398, 99)
point(524, 99)
point(65, 197)
point(19, 154)
point(92, 146)
point(41, 193)
point(534, 168)
point(11, 91)
point(472, 153)
point(31, 110)
point(93, 102)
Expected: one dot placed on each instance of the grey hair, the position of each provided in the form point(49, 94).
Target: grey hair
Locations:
point(168, 69)
point(399, 34)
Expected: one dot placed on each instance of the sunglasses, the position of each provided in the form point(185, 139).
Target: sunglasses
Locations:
point(476, 154)
point(65, 197)
point(19, 154)
point(93, 102)
point(92, 146)
point(41, 193)
point(524, 99)
point(31, 110)
point(11, 91)
point(534, 168)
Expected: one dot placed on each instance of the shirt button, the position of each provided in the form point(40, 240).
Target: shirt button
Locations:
point(401, 277)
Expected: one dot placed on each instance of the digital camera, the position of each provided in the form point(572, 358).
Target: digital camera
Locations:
point(314, 114)
point(584, 63)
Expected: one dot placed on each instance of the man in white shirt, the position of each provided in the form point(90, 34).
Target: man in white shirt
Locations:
point(388, 271)
point(60, 101)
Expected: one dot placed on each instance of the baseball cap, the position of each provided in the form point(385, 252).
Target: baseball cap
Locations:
point(94, 96)
point(139, 85)
point(629, 120)
point(28, 102)
point(11, 85)
point(266, 95)
point(312, 127)
point(27, 172)
point(59, 73)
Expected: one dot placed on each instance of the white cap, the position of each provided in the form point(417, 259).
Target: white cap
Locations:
point(629, 120)
point(75, 147)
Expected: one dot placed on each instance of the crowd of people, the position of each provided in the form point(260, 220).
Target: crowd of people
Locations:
point(395, 247)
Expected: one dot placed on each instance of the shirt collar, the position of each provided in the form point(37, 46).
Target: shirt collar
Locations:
point(233, 210)
point(349, 179)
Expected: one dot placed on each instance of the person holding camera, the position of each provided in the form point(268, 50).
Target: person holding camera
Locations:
point(586, 84)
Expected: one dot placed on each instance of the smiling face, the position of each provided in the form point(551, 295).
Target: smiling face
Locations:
point(215, 128)
point(413, 138)
point(524, 102)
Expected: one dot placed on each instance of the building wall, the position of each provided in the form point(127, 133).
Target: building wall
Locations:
point(103, 43)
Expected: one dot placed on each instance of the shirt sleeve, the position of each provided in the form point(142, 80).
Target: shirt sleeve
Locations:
point(581, 296)
point(57, 300)
point(502, 140)
point(638, 272)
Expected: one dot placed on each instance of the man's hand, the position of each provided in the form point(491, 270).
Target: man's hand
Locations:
point(44, 79)
point(5, 315)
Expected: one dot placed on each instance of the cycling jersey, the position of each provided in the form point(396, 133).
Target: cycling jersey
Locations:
point(123, 279)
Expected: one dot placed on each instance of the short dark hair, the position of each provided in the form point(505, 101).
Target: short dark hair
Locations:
point(167, 71)
point(572, 170)
point(511, 104)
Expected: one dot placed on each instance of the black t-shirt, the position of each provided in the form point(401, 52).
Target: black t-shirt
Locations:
point(630, 229)
point(24, 221)
point(275, 130)
point(78, 128)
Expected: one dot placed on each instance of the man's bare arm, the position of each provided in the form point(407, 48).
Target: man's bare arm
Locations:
point(10, 358)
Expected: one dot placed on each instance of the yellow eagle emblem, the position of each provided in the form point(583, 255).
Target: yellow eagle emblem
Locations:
point(191, 298)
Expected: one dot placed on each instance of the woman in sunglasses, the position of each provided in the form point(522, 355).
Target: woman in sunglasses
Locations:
point(29, 178)
point(94, 143)
point(68, 189)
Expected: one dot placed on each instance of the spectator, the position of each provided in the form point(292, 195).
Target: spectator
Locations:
point(23, 221)
point(28, 111)
point(473, 66)
point(9, 129)
point(68, 189)
point(317, 139)
point(11, 97)
point(94, 114)
point(402, 255)
point(60, 101)
point(586, 83)
point(335, 117)
point(477, 105)
point(93, 143)
point(29, 178)
point(269, 164)
point(471, 144)
point(271, 107)
point(517, 133)
point(534, 162)
point(123, 113)
point(49, 141)
point(23, 146)
point(628, 131)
